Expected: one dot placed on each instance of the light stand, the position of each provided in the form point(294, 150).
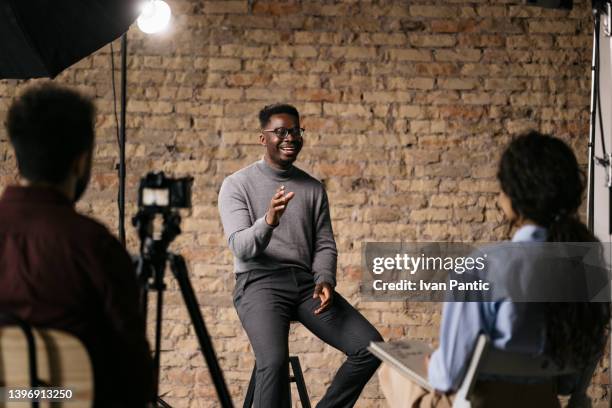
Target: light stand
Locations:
point(122, 138)
point(593, 123)
point(155, 16)
point(600, 9)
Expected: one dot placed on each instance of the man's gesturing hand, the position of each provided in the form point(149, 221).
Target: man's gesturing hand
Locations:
point(277, 205)
point(325, 292)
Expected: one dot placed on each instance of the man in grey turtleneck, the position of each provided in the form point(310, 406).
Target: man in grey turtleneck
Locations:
point(276, 220)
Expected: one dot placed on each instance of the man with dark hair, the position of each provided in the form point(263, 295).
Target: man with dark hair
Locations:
point(62, 270)
point(276, 219)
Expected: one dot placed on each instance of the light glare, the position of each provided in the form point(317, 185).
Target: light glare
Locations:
point(154, 17)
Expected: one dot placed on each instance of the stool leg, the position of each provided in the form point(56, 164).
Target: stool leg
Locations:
point(299, 381)
point(248, 400)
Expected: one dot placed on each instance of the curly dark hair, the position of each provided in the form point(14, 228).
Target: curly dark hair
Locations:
point(266, 113)
point(49, 125)
point(541, 176)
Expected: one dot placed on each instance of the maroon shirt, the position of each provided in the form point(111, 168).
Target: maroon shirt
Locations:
point(62, 270)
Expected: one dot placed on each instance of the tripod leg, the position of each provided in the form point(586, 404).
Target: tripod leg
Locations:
point(160, 403)
point(143, 271)
point(158, 335)
point(179, 270)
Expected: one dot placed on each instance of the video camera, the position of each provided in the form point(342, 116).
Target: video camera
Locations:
point(158, 193)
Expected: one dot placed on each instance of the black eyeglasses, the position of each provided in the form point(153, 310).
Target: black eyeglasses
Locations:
point(282, 132)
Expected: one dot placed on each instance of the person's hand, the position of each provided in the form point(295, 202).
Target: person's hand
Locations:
point(277, 206)
point(325, 292)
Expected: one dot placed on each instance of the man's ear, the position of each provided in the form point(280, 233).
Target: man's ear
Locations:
point(262, 139)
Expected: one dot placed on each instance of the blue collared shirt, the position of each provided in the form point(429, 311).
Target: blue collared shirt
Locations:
point(503, 321)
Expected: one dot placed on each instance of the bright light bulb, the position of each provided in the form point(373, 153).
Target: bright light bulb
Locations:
point(154, 17)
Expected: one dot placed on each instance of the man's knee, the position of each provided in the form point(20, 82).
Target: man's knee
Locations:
point(369, 336)
point(363, 354)
point(273, 361)
point(375, 337)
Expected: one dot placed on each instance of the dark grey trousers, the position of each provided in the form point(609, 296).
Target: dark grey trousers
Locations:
point(267, 301)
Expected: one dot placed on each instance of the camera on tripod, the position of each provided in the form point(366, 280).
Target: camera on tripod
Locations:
point(158, 193)
point(161, 197)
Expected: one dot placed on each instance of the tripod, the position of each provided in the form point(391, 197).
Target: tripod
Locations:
point(151, 268)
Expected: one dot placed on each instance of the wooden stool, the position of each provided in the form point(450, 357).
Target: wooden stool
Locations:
point(297, 378)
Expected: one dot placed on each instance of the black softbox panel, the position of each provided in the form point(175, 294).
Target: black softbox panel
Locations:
point(561, 4)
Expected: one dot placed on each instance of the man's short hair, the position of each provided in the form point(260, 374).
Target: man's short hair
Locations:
point(277, 108)
point(49, 126)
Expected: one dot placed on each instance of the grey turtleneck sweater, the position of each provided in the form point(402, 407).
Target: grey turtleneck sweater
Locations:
point(304, 236)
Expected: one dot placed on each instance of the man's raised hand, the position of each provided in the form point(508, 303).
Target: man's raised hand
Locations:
point(277, 206)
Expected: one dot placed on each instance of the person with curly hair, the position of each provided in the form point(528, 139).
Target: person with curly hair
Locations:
point(541, 191)
point(60, 269)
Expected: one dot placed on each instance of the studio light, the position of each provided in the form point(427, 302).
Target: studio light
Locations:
point(154, 17)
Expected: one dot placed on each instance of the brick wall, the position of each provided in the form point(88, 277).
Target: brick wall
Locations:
point(406, 105)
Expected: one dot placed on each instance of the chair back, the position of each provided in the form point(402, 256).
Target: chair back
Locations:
point(489, 361)
point(60, 360)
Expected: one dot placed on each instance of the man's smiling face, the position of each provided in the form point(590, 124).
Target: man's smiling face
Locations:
point(281, 152)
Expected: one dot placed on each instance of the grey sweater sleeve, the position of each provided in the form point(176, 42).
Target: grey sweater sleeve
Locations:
point(246, 240)
point(325, 257)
